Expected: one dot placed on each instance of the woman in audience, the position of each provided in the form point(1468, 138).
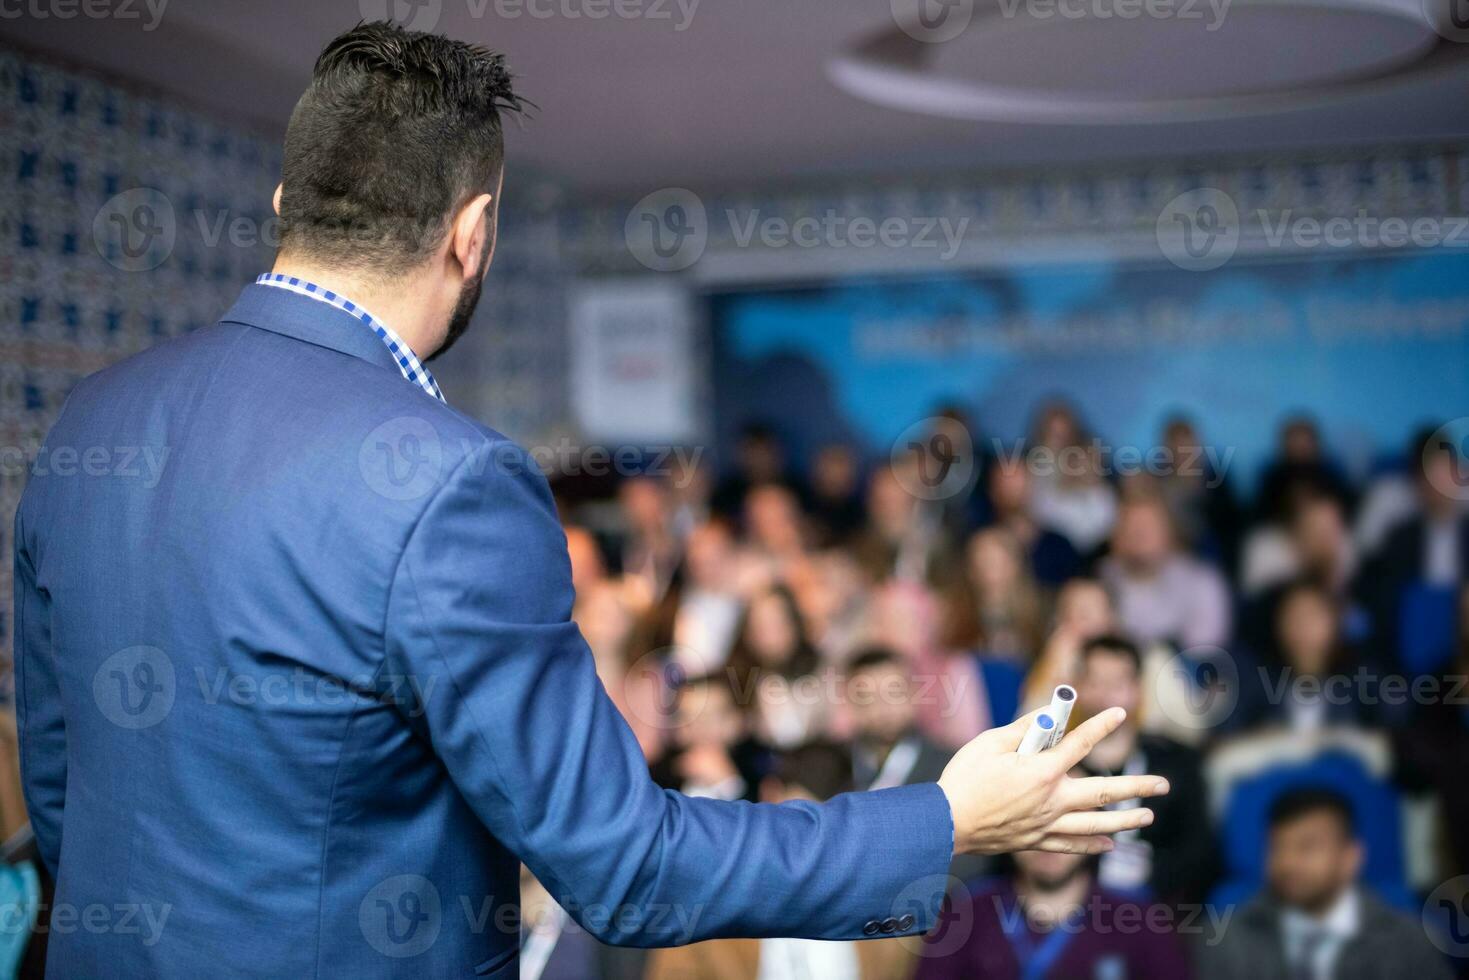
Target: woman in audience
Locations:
point(775, 670)
point(995, 605)
point(1305, 681)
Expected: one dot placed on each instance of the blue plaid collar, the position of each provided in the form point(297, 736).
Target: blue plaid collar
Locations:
point(407, 361)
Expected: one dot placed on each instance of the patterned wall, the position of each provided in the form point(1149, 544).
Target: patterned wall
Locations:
point(126, 220)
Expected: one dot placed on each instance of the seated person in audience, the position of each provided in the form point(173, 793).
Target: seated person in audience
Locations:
point(1050, 555)
point(1048, 919)
point(1431, 548)
point(1315, 545)
point(1197, 495)
point(1068, 488)
point(713, 754)
point(1172, 860)
point(702, 608)
point(1163, 594)
point(1315, 921)
point(887, 748)
point(760, 458)
point(1300, 465)
point(836, 494)
point(775, 669)
point(1306, 680)
point(809, 773)
point(993, 605)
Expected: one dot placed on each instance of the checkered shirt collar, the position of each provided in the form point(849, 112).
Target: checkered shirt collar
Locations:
point(408, 362)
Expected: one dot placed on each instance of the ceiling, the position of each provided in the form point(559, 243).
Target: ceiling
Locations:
point(740, 92)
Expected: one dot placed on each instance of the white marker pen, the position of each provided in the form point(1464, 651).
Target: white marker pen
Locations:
point(1062, 700)
point(1038, 735)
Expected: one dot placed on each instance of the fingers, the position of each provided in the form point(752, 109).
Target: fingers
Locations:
point(1079, 744)
point(1098, 791)
point(1008, 737)
point(1063, 844)
point(1094, 823)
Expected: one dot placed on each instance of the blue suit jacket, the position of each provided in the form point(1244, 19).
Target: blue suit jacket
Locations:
point(297, 691)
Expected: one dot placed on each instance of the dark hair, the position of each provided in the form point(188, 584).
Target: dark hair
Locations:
point(820, 768)
point(1296, 803)
point(396, 130)
point(1113, 643)
point(870, 658)
point(745, 668)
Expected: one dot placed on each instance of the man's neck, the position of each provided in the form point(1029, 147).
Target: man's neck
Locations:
point(397, 303)
point(1112, 752)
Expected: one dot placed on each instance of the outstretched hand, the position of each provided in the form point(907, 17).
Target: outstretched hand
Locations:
point(1002, 801)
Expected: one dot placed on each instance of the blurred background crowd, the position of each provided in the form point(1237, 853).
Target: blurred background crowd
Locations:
point(779, 298)
point(1293, 655)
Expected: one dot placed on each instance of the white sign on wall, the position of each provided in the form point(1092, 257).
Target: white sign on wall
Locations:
point(633, 370)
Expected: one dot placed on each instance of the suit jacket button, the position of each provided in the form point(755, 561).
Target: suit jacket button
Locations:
point(889, 924)
point(871, 928)
point(906, 922)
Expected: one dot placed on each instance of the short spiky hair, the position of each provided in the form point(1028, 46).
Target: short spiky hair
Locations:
point(396, 130)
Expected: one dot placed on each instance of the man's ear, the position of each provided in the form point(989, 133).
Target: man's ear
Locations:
point(275, 201)
point(472, 239)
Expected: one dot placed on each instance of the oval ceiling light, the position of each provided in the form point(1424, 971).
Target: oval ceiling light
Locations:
point(1145, 61)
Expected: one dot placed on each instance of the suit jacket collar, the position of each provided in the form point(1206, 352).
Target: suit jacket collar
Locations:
point(303, 318)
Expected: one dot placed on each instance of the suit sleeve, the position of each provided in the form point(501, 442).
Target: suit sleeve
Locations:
point(39, 721)
point(480, 609)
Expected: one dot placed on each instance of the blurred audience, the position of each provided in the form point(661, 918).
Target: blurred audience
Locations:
point(736, 622)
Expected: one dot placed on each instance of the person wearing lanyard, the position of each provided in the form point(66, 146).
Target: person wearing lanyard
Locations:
point(1049, 919)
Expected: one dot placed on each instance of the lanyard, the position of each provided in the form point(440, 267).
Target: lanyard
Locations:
point(1035, 960)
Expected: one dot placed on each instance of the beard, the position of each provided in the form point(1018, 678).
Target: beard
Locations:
point(464, 308)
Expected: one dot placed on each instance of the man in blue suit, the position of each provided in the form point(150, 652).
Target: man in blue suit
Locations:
point(299, 704)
